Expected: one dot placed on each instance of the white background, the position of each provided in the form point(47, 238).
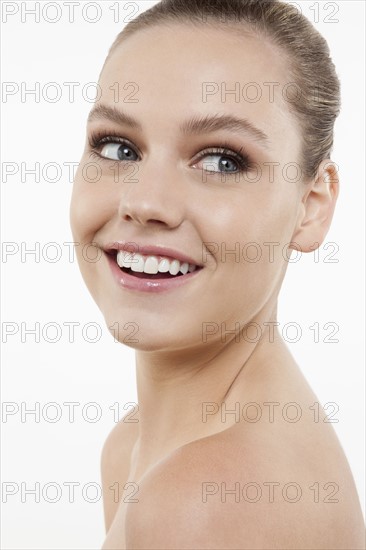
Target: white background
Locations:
point(44, 292)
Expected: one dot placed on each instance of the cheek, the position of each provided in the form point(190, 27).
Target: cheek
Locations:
point(245, 227)
point(247, 239)
point(90, 206)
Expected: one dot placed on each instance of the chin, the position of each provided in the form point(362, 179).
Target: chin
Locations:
point(136, 330)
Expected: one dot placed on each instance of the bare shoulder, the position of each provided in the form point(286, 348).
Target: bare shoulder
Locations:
point(245, 489)
point(115, 464)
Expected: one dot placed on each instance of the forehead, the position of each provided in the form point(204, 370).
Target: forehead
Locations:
point(181, 68)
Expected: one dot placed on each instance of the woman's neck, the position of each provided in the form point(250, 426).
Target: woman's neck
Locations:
point(186, 396)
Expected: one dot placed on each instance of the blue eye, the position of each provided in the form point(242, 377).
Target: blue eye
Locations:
point(222, 160)
point(112, 147)
point(118, 151)
point(220, 163)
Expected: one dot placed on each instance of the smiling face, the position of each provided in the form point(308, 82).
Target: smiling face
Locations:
point(175, 170)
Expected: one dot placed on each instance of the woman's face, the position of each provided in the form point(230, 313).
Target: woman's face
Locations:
point(172, 186)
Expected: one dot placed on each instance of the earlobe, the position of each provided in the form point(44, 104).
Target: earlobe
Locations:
point(317, 208)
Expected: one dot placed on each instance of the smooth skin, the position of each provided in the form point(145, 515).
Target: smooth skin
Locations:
point(173, 459)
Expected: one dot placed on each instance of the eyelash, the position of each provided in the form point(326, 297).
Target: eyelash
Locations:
point(97, 139)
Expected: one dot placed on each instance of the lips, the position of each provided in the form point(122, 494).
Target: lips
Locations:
point(150, 261)
point(149, 268)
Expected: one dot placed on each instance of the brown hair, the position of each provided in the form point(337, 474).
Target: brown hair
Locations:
point(309, 63)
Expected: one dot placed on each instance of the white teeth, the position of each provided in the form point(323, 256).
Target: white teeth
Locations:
point(151, 264)
point(164, 266)
point(138, 264)
point(184, 268)
point(174, 267)
point(125, 259)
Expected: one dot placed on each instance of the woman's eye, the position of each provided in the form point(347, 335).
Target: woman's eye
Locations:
point(118, 151)
point(219, 162)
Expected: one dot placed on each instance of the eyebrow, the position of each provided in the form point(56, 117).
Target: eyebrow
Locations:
point(212, 123)
point(195, 125)
point(103, 112)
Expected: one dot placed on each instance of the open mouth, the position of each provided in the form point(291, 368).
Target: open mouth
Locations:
point(151, 267)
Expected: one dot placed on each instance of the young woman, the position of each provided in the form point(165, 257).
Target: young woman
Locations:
point(212, 139)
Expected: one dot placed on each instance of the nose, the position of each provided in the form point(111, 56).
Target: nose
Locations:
point(154, 195)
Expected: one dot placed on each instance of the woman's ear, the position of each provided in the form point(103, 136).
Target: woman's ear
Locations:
point(317, 208)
